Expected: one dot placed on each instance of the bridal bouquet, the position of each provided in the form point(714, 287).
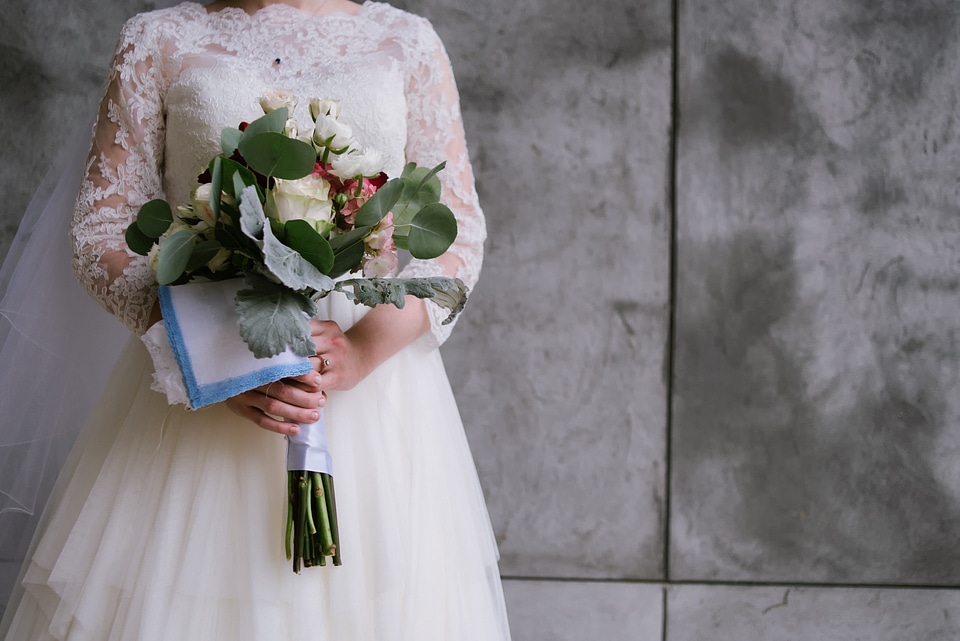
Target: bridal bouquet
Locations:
point(289, 213)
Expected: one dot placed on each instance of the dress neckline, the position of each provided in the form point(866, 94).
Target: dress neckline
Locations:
point(278, 8)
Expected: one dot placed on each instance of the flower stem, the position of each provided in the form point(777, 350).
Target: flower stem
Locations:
point(287, 543)
point(326, 538)
point(331, 501)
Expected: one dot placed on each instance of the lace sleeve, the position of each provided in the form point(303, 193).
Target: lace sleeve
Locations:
point(122, 172)
point(434, 134)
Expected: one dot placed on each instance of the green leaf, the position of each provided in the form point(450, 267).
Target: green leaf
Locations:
point(421, 187)
point(431, 231)
point(234, 171)
point(302, 237)
point(273, 154)
point(292, 269)
point(449, 293)
point(216, 186)
point(175, 252)
point(154, 218)
point(373, 211)
point(230, 140)
point(232, 238)
point(272, 318)
point(275, 121)
point(137, 241)
point(203, 253)
point(347, 251)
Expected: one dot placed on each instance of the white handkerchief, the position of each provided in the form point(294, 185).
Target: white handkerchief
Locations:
point(201, 325)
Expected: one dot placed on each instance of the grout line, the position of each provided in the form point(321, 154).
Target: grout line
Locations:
point(738, 584)
point(672, 321)
point(663, 616)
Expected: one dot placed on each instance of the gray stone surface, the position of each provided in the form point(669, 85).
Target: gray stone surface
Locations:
point(725, 613)
point(55, 56)
point(559, 362)
point(817, 311)
point(575, 611)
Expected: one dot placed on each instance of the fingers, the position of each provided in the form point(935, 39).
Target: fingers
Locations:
point(258, 418)
point(311, 381)
point(278, 407)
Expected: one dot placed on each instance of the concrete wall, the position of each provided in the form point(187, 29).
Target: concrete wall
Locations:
point(728, 414)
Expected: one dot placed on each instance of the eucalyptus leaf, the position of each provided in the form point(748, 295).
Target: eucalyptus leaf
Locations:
point(231, 238)
point(154, 218)
point(274, 122)
point(343, 241)
point(421, 187)
point(302, 237)
point(216, 186)
point(234, 171)
point(175, 252)
point(292, 269)
point(230, 140)
point(203, 253)
point(347, 251)
point(137, 241)
point(449, 293)
point(432, 231)
point(272, 317)
point(380, 204)
point(274, 154)
point(238, 185)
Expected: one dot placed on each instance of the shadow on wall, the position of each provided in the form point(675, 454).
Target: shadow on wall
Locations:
point(814, 374)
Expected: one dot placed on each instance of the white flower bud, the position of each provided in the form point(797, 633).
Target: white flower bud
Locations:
point(331, 132)
point(324, 107)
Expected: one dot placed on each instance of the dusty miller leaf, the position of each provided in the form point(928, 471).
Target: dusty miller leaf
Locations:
point(252, 218)
point(273, 317)
point(449, 293)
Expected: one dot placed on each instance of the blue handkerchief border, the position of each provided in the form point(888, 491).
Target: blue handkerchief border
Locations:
point(201, 395)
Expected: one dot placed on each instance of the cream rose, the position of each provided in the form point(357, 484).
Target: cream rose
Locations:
point(201, 203)
point(307, 198)
point(276, 98)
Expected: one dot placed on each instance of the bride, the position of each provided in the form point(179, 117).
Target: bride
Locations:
point(167, 523)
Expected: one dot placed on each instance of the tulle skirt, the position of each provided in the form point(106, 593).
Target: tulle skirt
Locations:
point(168, 524)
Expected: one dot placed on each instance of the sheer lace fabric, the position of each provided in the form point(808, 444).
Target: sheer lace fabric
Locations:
point(181, 75)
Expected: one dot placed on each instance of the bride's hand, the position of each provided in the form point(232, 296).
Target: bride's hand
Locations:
point(296, 400)
point(343, 362)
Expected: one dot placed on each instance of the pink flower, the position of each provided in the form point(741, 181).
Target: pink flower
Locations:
point(381, 264)
point(354, 202)
point(381, 236)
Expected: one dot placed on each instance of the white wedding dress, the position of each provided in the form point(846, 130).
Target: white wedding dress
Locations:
point(167, 524)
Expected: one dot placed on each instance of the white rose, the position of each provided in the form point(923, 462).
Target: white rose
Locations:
point(357, 163)
point(290, 130)
point(324, 107)
point(276, 98)
point(305, 199)
point(153, 258)
point(201, 203)
point(333, 133)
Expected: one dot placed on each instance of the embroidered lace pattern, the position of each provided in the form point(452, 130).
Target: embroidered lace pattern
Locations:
point(181, 75)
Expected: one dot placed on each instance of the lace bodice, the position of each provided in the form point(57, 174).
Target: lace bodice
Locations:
point(181, 75)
